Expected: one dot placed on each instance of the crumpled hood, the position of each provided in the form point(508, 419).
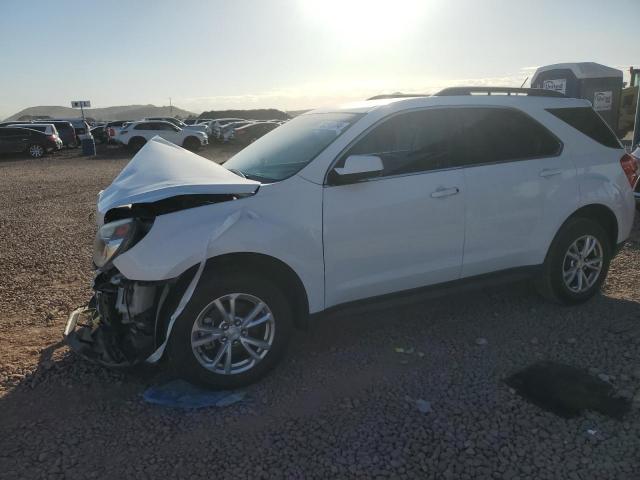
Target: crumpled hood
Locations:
point(162, 170)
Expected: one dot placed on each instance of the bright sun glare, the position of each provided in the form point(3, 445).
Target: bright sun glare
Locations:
point(364, 23)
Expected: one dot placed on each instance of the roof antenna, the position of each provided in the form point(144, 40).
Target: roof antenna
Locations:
point(525, 81)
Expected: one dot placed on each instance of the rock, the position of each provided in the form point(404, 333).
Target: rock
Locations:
point(604, 377)
point(481, 341)
point(423, 405)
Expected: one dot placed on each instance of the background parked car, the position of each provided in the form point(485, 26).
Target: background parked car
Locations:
point(180, 124)
point(65, 130)
point(79, 125)
point(136, 134)
point(34, 142)
point(252, 131)
point(99, 134)
point(113, 128)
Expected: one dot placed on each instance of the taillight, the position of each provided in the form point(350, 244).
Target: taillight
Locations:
point(52, 137)
point(629, 164)
point(111, 132)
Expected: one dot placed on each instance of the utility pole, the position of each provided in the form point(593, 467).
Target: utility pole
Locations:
point(170, 108)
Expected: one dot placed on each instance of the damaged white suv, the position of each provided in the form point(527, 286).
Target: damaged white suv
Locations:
point(213, 266)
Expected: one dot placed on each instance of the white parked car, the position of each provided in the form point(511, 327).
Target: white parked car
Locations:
point(214, 265)
point(136, 134)
point(180, 124)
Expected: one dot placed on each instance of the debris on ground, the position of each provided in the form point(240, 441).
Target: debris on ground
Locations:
point(182, 394)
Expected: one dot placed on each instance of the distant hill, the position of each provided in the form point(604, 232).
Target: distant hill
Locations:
point(125, 112)
point(261, 114)
point(295, 113)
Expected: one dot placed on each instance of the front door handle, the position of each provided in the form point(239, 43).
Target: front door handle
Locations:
point(550, 172)
point(445, 192)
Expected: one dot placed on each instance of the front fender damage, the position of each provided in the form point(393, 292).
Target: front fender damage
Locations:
point(129, 322)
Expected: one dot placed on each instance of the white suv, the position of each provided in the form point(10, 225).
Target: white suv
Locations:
point(214, 265)
point(136, 134)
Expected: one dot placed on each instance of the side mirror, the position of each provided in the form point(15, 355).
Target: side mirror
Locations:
point(357, 167)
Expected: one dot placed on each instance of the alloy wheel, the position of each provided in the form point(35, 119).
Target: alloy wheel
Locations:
point(582, 264)
point(233, 333)
point(36, 151)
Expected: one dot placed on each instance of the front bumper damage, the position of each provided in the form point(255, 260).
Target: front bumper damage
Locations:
point(123, 323)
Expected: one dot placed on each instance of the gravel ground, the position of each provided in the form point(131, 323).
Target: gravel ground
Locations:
point(344, 403)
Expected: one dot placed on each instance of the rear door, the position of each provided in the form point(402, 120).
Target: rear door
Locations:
point(169, 132)
point(404, 229)
point(515, 178)
point(13, 140)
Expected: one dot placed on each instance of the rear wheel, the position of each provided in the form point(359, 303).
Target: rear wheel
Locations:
point(577, 263)
point(36, 151)
point(191, 143)
point(136, 143)
point(232, 332)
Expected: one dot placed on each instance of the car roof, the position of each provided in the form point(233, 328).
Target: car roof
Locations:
point(406, 103)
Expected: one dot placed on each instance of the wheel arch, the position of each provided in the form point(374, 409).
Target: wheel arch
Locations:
point(271, 268)
point(601, 214)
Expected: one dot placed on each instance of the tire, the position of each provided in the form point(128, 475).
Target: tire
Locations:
point(36, 150)
point(191, 143)
point(559, 264)
point(136, 143)
point(189, 361)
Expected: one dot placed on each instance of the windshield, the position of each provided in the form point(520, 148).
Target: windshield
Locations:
point(287, 149)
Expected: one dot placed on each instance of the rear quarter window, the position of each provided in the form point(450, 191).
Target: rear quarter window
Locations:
point(485, 135)
point(588, 122)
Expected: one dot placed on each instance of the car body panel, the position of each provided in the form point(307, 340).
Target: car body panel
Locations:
point(267, 223)
point(389, 234)
point(162, 170)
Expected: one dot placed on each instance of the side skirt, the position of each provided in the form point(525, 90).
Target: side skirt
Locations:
point(422, 294)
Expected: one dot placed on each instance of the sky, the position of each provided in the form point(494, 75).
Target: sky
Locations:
point(292, 54)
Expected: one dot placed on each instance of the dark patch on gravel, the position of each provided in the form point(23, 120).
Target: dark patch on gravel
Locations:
point(567, 391)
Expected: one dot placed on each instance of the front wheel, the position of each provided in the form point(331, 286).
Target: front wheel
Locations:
point(577, 263)
point(232, 332)
point(36, 151)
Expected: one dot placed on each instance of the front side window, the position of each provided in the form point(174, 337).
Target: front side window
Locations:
point(284, 151)
point(411, 142)
point(492, 135)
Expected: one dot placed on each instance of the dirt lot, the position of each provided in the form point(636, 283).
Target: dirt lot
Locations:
point(342, 404)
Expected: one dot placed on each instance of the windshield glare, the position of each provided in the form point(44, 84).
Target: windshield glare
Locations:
point(287, 149)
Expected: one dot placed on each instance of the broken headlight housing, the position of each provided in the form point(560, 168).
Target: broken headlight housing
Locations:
point(112, 239)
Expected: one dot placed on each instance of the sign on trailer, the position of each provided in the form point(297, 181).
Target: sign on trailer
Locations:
point(80, 104)
point(557, 85)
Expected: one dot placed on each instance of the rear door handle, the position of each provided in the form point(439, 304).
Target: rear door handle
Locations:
point(445, 192)
point(550, 172)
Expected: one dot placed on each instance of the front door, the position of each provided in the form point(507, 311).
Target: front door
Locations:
point(403, 229)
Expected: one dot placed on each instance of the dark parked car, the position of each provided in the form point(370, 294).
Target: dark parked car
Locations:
point(35, 143)
point(253, 131)
point(65, 130)
point(100, 134)
point(79, 125)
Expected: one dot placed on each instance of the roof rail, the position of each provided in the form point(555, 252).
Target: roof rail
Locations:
point(398, 95)
point(531, 92)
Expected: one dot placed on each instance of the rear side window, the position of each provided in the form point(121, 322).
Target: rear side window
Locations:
point(587, 121)
point(494, 135)
point(411, 142)
point(142, 126)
